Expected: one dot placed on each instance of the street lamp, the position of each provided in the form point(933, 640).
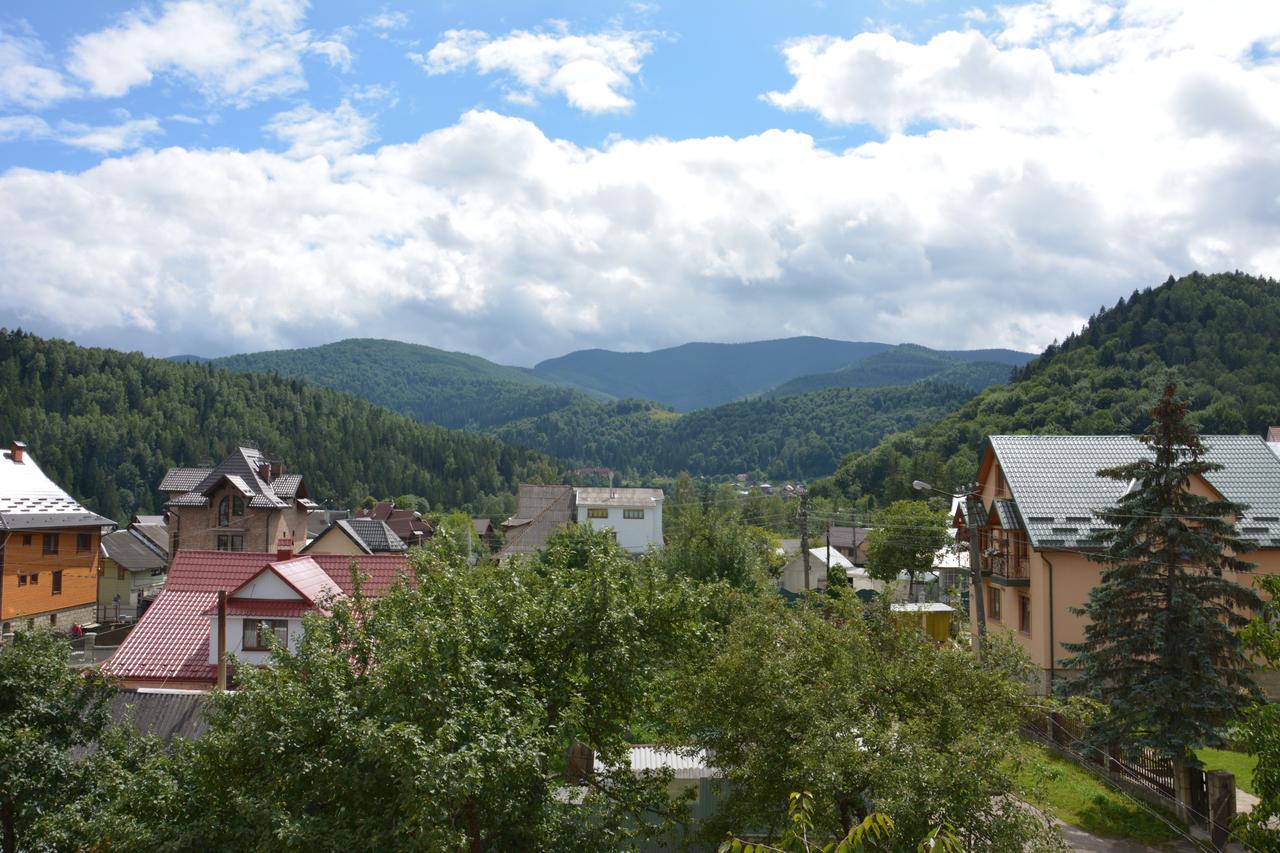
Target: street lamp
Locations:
point(975, 557)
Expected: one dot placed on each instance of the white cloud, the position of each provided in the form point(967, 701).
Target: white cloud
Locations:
point(387, 20)
point(237, 51)
point(593, 72)
point(26, 77)
point(334, 50)
point(127, 135)
point(309, 131)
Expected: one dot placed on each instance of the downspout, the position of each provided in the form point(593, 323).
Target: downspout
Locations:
point(1053, 649)
point(4, 545)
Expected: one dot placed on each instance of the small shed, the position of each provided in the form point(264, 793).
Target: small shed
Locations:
point(933, 617)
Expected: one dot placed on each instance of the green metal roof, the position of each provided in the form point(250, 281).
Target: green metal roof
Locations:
point(1056, 487)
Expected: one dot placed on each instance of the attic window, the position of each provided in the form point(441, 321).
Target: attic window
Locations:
point(237, 505)
point(224, 512)
point(257, 634)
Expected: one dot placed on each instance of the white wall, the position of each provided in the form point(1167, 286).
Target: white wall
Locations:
point(235, 638)
point(793, 574)
point(268, 584)
point(634, 534)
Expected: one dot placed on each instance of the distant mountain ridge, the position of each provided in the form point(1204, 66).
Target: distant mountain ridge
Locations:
point(908, 363)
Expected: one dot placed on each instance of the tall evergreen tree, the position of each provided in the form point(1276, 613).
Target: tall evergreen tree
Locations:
point(1159, 649)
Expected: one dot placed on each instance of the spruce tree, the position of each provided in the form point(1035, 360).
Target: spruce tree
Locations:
point(1159, 650)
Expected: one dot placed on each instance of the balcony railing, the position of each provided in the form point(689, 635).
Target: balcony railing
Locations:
point(1010, 566)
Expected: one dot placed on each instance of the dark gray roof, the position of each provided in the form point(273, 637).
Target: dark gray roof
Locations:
point(241, 468)
point(318, 522)
point(376, 535)
point(848, 537)
point(286, 485)
point(183, 479)
point(155, 534)
point(1054, 482)
point(1007, 513)
point(132, 550)
point(166, 715)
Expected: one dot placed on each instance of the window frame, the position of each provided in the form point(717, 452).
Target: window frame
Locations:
point(255, 625)
point(22, 580)
point(233, 542)
point(224, 511)
point(994, 604)
point(237, 506)
point(84, 542)
point(55, 585)
point(597, 512)
point(1024, 614)
point(633, 514)
point(49, 545)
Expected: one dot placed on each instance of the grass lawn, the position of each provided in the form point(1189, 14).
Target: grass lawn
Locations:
point(1239, 763)
point(1075, 796)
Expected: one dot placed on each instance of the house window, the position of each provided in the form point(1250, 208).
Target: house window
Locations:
point(26, 539)
point(50, 543)
point(53, 619)
point(237, 506)
point(155, 573)
point(633, 513)
point(230, 542)
point(224, 511)
point(57, 583)
point(598, 512)
point(83, 542)
point(257, 633)
point(119, 572)
point(993, 604)
point(1024, 614)
point(22, 580)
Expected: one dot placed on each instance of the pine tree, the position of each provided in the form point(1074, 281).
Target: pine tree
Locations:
point(1159, 649)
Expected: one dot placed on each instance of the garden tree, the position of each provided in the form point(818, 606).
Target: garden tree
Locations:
point(708, 542)
point(1260, 728)
point(438, 715)
point(1158, 649)
point(46, 709)
point(858, 707)
point(875, 832)
point(906, 537)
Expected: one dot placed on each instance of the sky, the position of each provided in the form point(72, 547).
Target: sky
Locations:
point(519, 180)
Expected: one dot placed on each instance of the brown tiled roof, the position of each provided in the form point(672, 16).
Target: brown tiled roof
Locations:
point(848, 537)
point(547, 509)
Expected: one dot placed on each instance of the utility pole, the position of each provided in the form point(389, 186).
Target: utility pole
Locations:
point(804, 536)
point(975, 568)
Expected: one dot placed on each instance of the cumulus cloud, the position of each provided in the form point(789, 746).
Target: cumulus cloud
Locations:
point(26, 76)
point(387, 20)
point(236, 51)
point(309, 131)
point(104, 139)
point(593, 72)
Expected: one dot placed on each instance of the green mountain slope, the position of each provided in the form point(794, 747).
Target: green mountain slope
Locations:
point(106, 425)
point(902, 365)
point(1219, 334)
point(799, 436)
point(447, 388)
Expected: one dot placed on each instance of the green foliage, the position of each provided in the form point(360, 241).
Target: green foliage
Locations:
point(903, 365)
point(1220, 333)
point(875, 832)
point(855, 706)
point(106, 425)
point(1260, 728)
point(435, 717)
point(1158, 648)
point(46, 710)
point(907, 536)
point(707, 541)
point(791, 437)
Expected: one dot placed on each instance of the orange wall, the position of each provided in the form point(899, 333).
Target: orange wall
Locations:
point(79, 572)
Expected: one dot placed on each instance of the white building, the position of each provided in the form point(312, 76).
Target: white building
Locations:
point(634, 515)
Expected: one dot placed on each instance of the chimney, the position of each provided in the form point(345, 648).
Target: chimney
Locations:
point(277, 468)
point(16, 451)
point(284, 549)
point(1273, 434)
point(264, 471)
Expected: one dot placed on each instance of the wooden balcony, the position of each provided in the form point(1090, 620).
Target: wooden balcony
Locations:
point(1007, 569)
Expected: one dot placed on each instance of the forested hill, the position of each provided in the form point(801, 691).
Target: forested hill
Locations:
point(907, 363)
point(1219, 334)
point(800, 436)
point(451, 389)
point(106, 425)
point(702, 375)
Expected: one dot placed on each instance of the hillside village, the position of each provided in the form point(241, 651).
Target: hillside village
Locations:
point(246, 558)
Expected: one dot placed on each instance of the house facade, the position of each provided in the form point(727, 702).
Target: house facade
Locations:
point(355, 536)
point(1035, 517)
point(245, 503)
point(134, 564)
point(634, 515)
point(540, 511)
point(407, 524)
point(49, 549)
point(175, 643)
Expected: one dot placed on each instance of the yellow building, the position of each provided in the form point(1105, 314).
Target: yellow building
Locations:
point(1037, 497)
point(49, 549)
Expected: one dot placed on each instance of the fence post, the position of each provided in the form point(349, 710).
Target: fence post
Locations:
point(1222, 805)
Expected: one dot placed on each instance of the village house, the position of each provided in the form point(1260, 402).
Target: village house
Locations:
point(405, 523)
point(354, 536)
point(633, 515)
point(49, 548)
point(851, 542)
point(135, 560)
point(1035, 515)
point(175, 643)
point(540, 511)
point(244, 503)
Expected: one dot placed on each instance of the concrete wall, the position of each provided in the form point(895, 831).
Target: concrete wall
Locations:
point(634, 535)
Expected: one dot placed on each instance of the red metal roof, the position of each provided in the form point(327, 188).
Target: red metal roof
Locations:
point(273, 608)
point(171, 640)
point(302, 574)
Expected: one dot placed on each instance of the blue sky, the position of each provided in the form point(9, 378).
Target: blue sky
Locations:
point(519, 180)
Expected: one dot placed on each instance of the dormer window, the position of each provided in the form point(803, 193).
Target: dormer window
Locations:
point(224, 511)
point(257, 633)
point(237, 506)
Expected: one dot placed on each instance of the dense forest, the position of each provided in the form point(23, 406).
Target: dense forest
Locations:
point(1219, 335)
point(902, 365)
point(434, 386)
point(796, 437)
point(106, 425)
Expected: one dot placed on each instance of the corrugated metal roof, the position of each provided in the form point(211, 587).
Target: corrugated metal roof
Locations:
point(131, 550)
point(685, 764)
point(1054, 482)
point(848, 537)
point(267, 608)
point(171, 640)
point(618, 497)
